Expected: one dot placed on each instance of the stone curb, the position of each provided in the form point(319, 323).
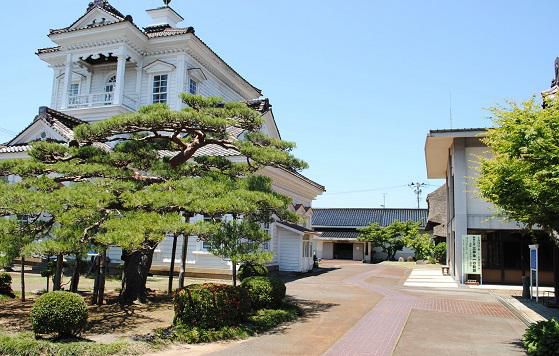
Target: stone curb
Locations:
point(519, 314)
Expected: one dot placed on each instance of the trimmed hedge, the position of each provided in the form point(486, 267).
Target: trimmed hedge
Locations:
point(264, 292)
point(542, 338)
point(63, 313)
point(250, 269)
point(211, 306)
point(6, 285)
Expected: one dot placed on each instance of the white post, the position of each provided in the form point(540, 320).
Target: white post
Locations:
point(139, 78)
point(120, 71)
point(181, 76)
point(54, 97)
point(67, 81)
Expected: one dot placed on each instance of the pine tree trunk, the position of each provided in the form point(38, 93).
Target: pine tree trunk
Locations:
point(182, 274)
point(555, 272)
point(234, 272)
point(22, 275)
point(57, 284)
point(76, 275)
point(137, 265)
point(172, 266)
point(95, 268)
point(101, 276)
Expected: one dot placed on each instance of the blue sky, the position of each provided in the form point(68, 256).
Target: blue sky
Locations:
point(356, 83)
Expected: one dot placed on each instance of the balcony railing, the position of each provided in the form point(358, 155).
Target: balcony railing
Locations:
point(99, 100)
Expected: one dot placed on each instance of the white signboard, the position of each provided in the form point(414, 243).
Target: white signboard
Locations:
point(471, 254)
point(534, 278)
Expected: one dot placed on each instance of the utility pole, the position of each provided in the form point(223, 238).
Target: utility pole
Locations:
point(383, 201)
point(417, 188)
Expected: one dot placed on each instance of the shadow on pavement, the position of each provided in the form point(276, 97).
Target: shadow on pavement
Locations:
point(294, 276)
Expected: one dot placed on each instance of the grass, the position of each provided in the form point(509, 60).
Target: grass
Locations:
point(261, 321)
point(25, 344)
point(5, 298)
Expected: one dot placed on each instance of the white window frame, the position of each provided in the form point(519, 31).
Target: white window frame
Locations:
point(166, 92)
point(193, 84)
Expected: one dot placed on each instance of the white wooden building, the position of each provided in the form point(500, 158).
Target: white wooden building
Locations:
point(105, 64)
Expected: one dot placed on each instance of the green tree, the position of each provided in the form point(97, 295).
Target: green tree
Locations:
point(391, 238)
point(521, 178)
point(132, 179)
point(422, 244)
point(239, 241)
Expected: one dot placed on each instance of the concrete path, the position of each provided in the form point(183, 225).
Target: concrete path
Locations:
point(429, 278)
point(361, 309)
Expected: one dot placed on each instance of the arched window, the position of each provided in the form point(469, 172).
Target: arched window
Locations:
point(109, 89)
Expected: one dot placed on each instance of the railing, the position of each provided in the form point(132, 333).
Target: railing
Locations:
point(98, 100)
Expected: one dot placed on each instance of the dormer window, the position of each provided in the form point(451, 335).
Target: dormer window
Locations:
point(193, 87)
point(160, 88)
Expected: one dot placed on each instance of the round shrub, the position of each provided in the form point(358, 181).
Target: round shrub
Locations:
point(250, 269)
point(542, 338)
point(264, 292)
point(63, 313)
point(211, 306)
point(6, 285)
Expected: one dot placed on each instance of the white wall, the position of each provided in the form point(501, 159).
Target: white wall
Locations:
point(290, 253)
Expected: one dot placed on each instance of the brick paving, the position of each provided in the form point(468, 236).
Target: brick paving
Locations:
point(463, 307)
point(378, 332)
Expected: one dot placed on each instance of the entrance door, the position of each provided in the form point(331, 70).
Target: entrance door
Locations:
point(343, 251)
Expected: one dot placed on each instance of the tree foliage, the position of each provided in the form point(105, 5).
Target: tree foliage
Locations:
point(522, 176)
point(131, 179)
point(391, 238)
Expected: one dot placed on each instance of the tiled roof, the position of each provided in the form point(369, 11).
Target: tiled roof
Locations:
point(261, 105)
point(104, 4)
point(59, 121)
point(295, 227)
point(475, 129)
point(340, 234)
point(14, 149)
point(48, 50)
point(166, 31)
point(356, 217)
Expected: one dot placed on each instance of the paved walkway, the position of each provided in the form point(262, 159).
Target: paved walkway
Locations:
point(361, 309)
point(425, 277)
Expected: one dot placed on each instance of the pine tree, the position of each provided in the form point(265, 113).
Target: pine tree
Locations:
point(132, 179)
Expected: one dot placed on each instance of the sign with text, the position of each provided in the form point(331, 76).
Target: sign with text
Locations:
point(471, 254)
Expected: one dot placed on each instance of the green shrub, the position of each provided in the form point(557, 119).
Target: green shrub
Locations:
point(251, 269)
point(439, 252)
point(266, 319)
point(25, 344)
point(263, 320)
point(6, 285)
point(59, 312)
point(264, 292)
point(542, 338)
point(211, 306)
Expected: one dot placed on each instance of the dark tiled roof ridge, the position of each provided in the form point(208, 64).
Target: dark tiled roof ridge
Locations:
point(417, 209)
point(471, 129)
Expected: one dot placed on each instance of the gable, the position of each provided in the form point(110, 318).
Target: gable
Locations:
point(95, 16)
point(159, 67)
point(39, 130)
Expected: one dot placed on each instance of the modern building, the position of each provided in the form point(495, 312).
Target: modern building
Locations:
point(453, 155)
point(338, 236)
point(105, 64)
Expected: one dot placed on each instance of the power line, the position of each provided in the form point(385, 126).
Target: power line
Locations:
point(366, 190)
point(417, 188)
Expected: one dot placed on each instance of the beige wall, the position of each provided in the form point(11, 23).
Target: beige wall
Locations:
point(358, 251)
point(328, 250)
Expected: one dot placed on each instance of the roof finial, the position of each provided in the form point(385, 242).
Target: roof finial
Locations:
point(167, 2)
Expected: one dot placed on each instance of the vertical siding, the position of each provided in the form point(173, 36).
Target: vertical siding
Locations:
point(290, 251)
point(328, 250)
